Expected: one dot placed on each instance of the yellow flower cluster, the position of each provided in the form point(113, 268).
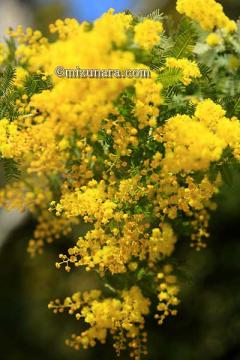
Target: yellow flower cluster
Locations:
point(189, 69)
point(213, 39)
point(122, 315)
point(20, 76)
point(87, 202)
point(147, 33)
point(167, 294)
point(148, 99)
point(161, 243)
point(12, 144)
point(85, 102)
point(189, 145)
point(114, 159)
point(209, 14)
point(24, 195)
point(192, 143)
point(112, 251)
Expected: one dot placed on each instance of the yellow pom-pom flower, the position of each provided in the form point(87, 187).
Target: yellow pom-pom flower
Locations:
point(209, 14)
point(147, 33)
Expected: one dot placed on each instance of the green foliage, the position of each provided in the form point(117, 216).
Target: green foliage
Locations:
point(185, 40)
point(7, 93)
point(7, 79)
point(35, 84)
point(156, 15)
point(11, 169)
point(231, 104)
point(170, 77)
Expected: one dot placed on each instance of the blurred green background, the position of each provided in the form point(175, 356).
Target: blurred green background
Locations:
point(208, 324)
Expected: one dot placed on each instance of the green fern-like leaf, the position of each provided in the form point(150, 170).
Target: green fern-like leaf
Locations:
point(11, 44)
point(11, 169)
point(156, 15)
point(172, 92)
point(35, 84)
point(236, 107)
point(231, 104)
point(170, 77)
point(8, 94)
point(185, 41)
point(180, 47)
point(161, 52)
point(205, 70)
point(6, 80)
